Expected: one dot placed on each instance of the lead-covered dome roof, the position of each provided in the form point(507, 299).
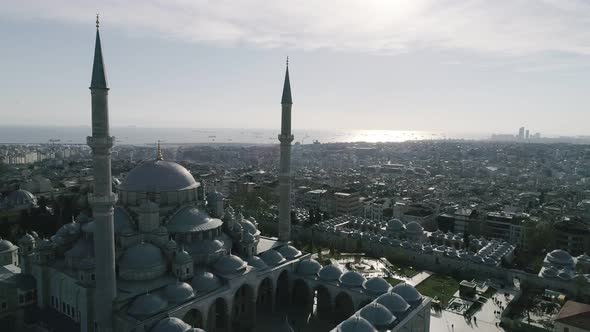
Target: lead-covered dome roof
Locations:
point(179, 292)
point(272, 257)
point(171, 324)
point(352, 279)
point(230, 264)
point(147, 305)
point(377, 285)
point(560, 257)
point(158, 175)
point(308, 267)
point(356, 324)
point(377, 314)
point(6, 246)
point(191, 219)
point(407, 292)
point(330, 273)
point(205, 281)
point(393, 302)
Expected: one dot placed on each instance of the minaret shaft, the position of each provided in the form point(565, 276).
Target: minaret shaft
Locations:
point(103, 199)
point(286, 137)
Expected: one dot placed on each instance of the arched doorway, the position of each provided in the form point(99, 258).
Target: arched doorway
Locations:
point(282, 297)
point(217, 317)
point(194, 318)
point(323, 303)
point(264, 300)
point(244, 309)
point(343, 307)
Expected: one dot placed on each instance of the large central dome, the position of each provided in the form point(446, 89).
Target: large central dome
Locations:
point(158, 175)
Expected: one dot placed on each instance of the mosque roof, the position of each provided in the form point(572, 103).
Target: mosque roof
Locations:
point(158, 175)
point(308, 267)
point(147, 305)
point(171, 324)
point(205, 281)
point(191, 219)
point(272, 257)
point(356, 324)
point(376, 285)
point(330, 273)
point(179, 292)
point(352, 279)
point(21, 197)
point(560, 257)
point(6, 246)
point(393, 302)
point(142, 256)
point(257, 262)
point(230, 264)
point(407, 292)
point(288, 251)
point(377, 314)
point(414, 227)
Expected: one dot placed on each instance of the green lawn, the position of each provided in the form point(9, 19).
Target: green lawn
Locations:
point(442, 287)
point(393, 281)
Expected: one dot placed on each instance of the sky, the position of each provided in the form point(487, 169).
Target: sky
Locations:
point(454, 66)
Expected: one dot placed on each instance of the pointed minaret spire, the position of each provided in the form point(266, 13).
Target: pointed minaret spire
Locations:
point(99, 79)
point(285, 138)
point(287, 87)
point(159, 155)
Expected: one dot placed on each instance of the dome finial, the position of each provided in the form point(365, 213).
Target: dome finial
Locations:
point(159, 155)
point(97, 21)
point(287, 61)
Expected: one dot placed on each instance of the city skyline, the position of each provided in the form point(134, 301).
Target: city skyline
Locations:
point(519, 64)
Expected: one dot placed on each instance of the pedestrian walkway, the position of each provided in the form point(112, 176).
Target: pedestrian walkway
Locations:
point(418, 278)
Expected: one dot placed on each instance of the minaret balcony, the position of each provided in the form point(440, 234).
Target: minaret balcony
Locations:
point(286, 138)
point(100, 142)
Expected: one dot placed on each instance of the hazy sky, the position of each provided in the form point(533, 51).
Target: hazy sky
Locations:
point(442, 65)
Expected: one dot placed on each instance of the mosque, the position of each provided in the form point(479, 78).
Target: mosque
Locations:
point(165, 254)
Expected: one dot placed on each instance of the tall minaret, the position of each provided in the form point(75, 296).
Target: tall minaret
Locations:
point(285, 167)
point(103, 198)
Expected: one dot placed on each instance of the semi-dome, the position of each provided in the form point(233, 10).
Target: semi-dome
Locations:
point(377, 314)
point(356, 323)
point(565, 275)
point(6, 246)
point(147, 305)
point(158, 175)
point(407, 292)
point(272, 257)
point(330, 273)
point(414, 228)
point(549, 272)
point(171, 324)
point(230, 264)
point(142, 261)
point(21, 197)
point(257, 262)
point(352, 279)
point(205, 281)
point(289, 252)
point(376, 285)
point(393, 302)
point(179, 292)
point(560, 257)
point(83, 248)
point(122, 223)
point(308, 267)
point(191, 219)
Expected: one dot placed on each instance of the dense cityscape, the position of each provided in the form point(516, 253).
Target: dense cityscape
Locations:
point(414, 235)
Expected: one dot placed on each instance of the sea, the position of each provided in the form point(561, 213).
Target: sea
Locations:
point(143, 135)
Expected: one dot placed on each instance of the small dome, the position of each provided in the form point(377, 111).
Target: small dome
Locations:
point(249, 227)
point(171, 324)
point(158, 176)
point(393, 302)
point(146, 306)
point(182, 257)
point(356, 324)
point(83, 248)
point(272, 257)
point(230, 264)
point(289, 252)
point(330, 273)
point(26, 239)
point(205, 281)
point(122, 223)
point(376, 285)
point(257, 262)
point(377, 314)
point(206, 247)
point(414, 228)
point(45, 244)
point(142, 261)
point(352, 279)
point(308, 267)
point(560, 257)
point(395, 225)
point(565, 275)
point(549, 273)
point(407, 292)
point(6, 246)
point(179, 292)
point(21, 197)
point(191, 219)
